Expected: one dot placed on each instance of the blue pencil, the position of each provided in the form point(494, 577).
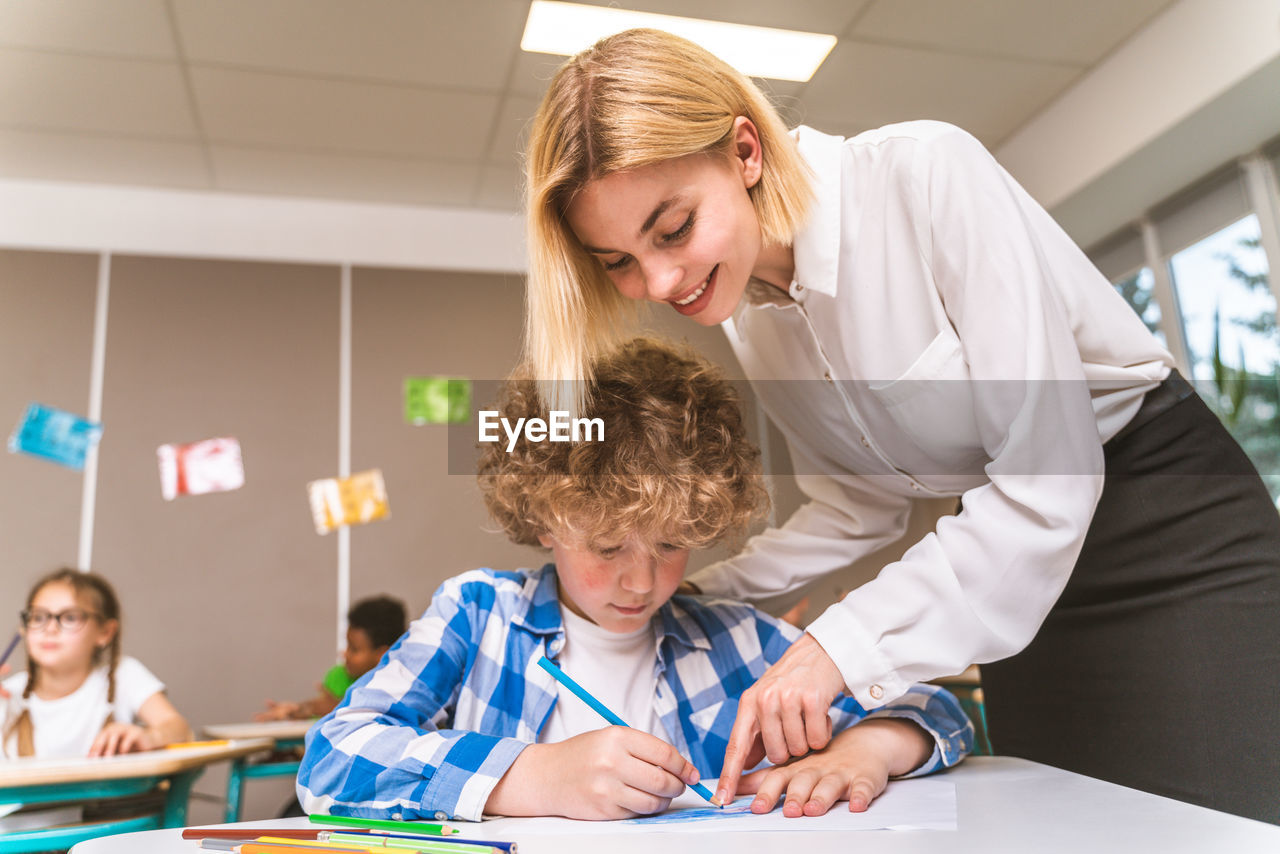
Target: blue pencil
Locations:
point(8, 650)
point(600, 708)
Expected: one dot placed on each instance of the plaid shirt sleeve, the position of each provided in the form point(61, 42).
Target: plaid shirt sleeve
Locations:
point(934, 709)
point(386, 751)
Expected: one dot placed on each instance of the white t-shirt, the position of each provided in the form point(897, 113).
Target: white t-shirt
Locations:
point(66, 727)
point(618, 670)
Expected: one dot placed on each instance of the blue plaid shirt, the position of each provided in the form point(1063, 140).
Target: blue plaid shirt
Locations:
point(430, 731)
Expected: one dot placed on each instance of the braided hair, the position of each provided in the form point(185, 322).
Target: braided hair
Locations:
point(100, 597)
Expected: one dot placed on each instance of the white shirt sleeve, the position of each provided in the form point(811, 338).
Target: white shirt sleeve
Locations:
point(978, 588)
point(135, 684)
point(845, 519)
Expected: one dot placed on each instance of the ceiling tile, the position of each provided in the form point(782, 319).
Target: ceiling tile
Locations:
point(374, 179)
point(531, 73)
point(339, 116)
point(511, 133)
point(66, 92)
point(1079, 32)
point(444, 43)
point(874, 84)
point(124, 27)
point(500, 188)
point(96, 159)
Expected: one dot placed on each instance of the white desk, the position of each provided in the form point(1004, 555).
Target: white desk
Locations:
point(1004, 805)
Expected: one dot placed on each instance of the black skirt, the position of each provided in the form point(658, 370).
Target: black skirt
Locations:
point(1159, 667)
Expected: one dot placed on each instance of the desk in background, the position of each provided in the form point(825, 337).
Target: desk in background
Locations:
point(1003, 805)
point(285, 736)
point(74, 781)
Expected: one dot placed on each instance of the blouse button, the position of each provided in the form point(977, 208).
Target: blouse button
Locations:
point(799, 288)
point(441, 816)
point(876, 692)
point(827, 376)
point(865, 443)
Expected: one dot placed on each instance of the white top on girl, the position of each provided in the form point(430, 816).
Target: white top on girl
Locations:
point(66, 727)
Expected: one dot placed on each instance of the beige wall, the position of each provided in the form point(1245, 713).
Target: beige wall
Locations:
point(46, 337)
point(231, 598)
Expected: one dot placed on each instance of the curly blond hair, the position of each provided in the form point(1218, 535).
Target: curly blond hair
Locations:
point(675, 464)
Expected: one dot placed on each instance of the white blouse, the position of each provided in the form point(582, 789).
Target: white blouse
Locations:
point(943, 336)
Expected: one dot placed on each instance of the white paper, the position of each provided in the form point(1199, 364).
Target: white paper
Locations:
point(905, 805)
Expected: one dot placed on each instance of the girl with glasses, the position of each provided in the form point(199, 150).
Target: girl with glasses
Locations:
point(79, 696)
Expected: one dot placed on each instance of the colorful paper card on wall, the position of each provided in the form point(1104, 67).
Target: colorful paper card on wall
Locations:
point(353, 500)
point(437, 400)
point(197, 468)
point(55, 435)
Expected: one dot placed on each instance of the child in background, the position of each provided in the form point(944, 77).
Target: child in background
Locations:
point(373, 625)
point(459, 720)
point(79, 696)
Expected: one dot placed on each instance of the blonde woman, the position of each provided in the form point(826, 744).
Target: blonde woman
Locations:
point(917, 325)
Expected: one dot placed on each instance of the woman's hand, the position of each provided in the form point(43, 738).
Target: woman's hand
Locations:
point(610, 773)
point(785, 712)
point(855, 766)
point(117, 737)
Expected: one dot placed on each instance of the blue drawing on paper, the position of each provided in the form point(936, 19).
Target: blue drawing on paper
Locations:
point(742, 806)
point(55, 435)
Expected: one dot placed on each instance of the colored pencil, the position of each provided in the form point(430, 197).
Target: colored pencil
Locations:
point(8, 650)
point(381, 845)
point(383, 824)
point(410, 837)
point(265, 848)
point(248, 834)
point(239, 835)
point(585, 696)
point(216, 742)
point(375, 846)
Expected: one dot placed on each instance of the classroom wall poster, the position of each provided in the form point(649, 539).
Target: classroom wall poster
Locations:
point(198, 468)
point(353, 500)
point(55, 435)
point(437, 400)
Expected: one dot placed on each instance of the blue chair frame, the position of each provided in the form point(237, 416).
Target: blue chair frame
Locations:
point(173, 814)
point(242, 770)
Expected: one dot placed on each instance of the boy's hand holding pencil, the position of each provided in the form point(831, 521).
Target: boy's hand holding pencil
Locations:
point(610, 773)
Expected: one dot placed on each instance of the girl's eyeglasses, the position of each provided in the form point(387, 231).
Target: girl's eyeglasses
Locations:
point(71, 620)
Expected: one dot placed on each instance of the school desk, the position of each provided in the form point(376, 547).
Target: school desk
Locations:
point(285, 736)
point(73, 781)
point(1003, 805)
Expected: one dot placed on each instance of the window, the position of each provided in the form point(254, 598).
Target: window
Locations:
point(1138, 291)
point(1229, 319)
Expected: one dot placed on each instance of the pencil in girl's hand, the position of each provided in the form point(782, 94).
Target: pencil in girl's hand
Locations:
point(8, 650)
point(600, 708)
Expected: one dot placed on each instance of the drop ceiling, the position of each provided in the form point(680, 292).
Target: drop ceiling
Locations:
point(424, 102)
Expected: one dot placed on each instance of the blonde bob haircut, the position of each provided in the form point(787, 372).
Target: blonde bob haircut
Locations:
point(675, 464)
point(633, 99)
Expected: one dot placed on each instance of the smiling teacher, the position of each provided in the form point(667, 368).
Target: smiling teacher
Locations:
point(916, 325)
